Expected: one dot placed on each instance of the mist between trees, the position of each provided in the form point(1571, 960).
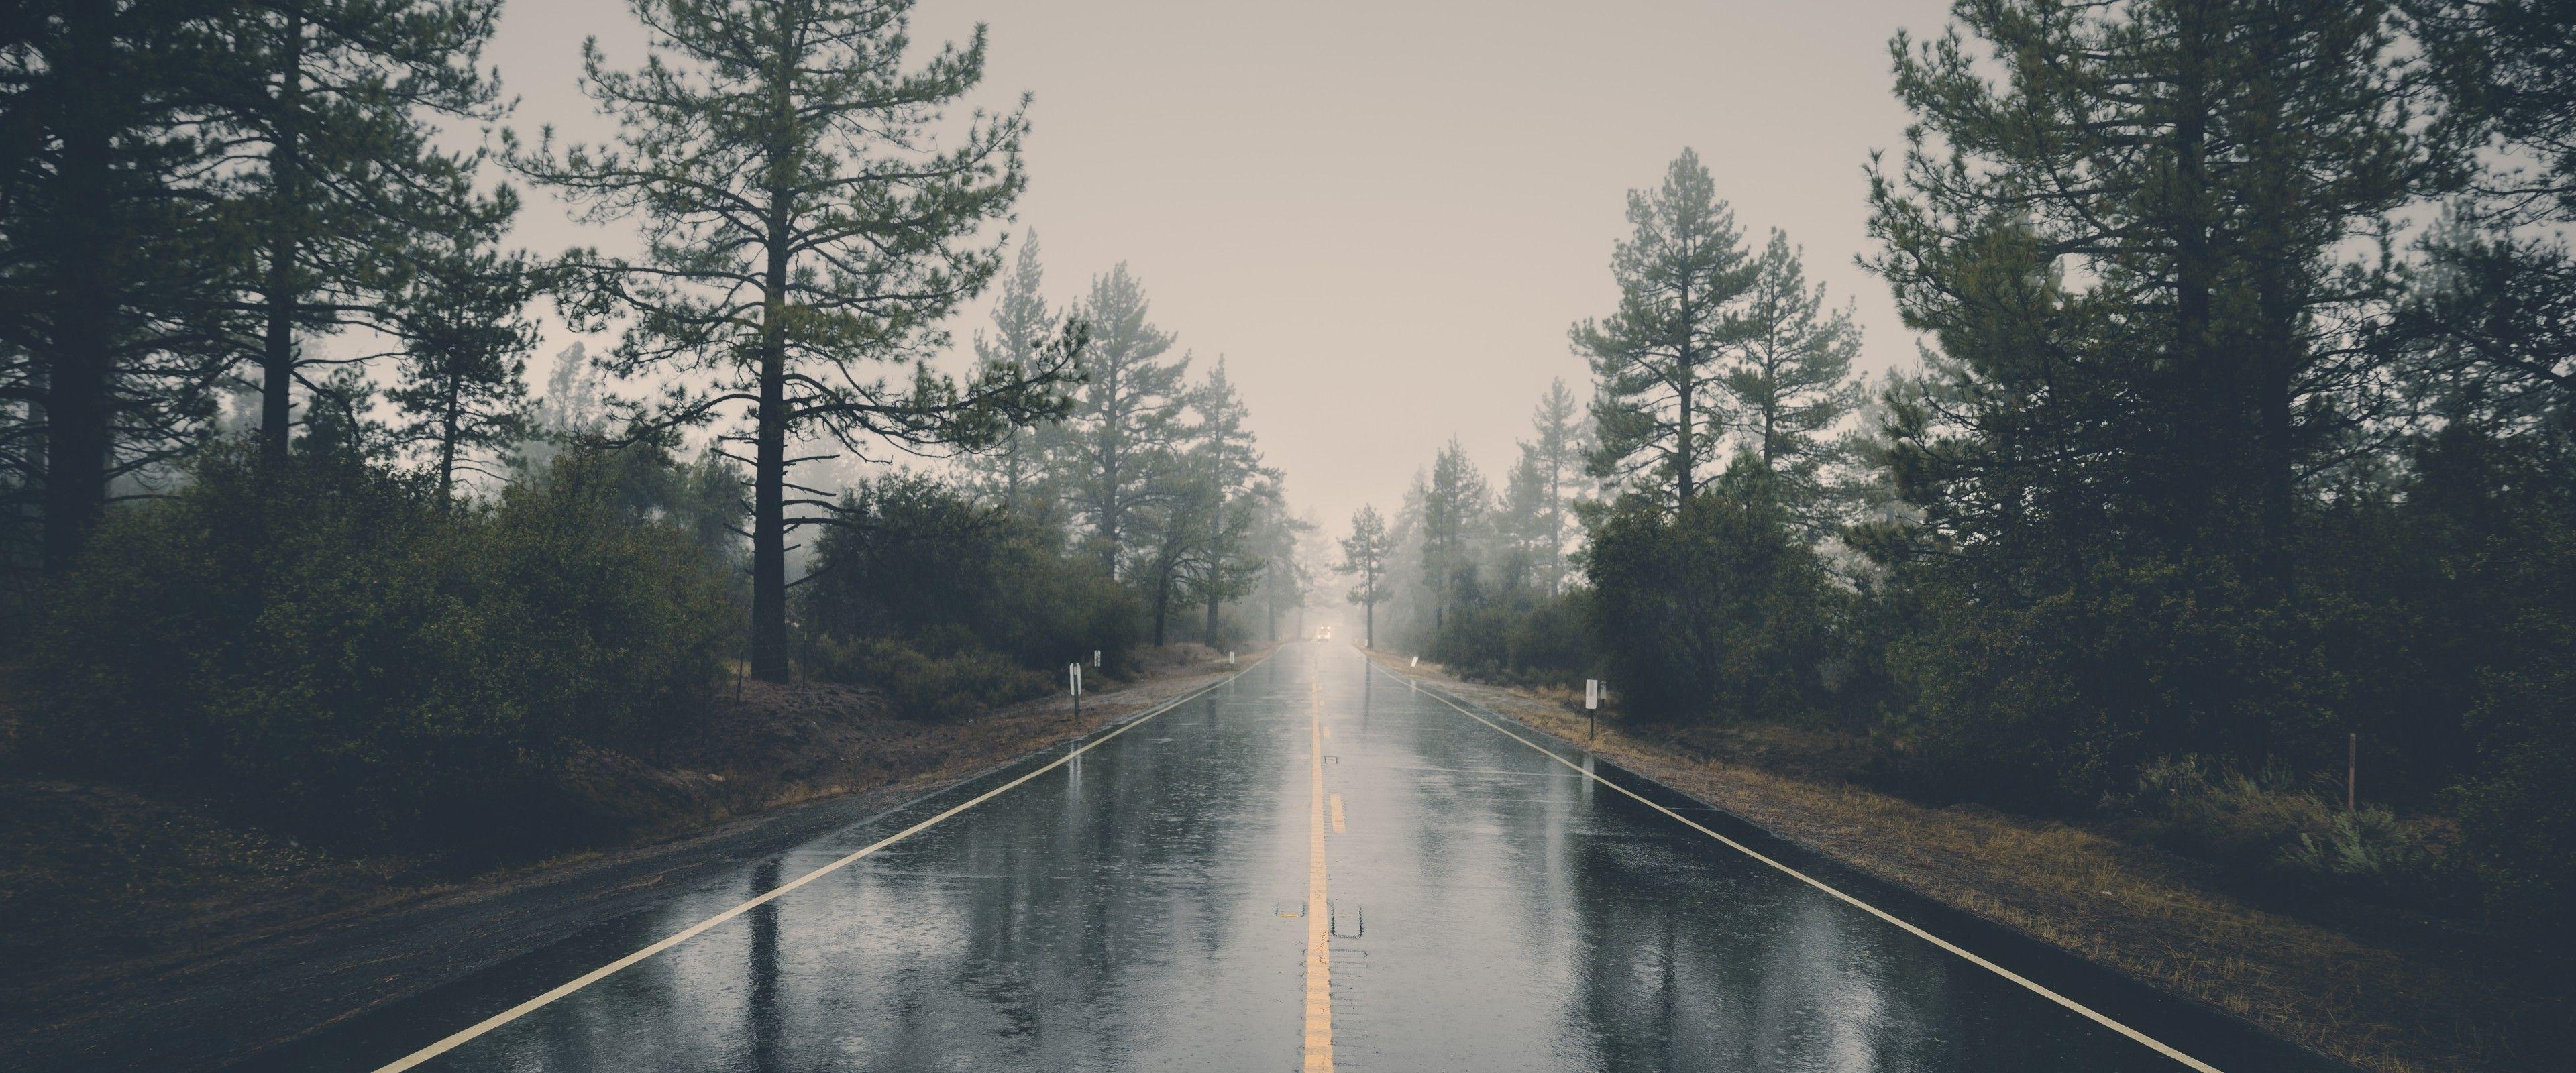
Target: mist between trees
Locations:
point(390, 596)
point(2244, 427)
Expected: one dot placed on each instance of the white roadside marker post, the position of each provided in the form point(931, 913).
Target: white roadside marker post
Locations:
point(1592, 706)
point(1229, 657)
point(1073, 685)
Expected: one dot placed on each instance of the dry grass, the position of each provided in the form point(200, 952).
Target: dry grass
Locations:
point(2152, 915)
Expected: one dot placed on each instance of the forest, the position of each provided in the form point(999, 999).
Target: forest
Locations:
point(2231, 500)
point(287, 528)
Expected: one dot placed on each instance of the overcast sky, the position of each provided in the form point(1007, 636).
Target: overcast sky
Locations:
point(1383, 214)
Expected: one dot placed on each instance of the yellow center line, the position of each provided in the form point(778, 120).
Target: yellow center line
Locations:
point(603, 972)
point(2152, 1043)
point(1319, 936)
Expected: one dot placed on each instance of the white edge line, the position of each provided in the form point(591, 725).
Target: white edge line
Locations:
point(595, 975)
point(2097, 1017)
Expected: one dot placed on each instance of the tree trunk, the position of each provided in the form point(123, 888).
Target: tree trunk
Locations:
point(1011, 473)
point(277, 346)
point(1682, 441)
point(769, 655)
point(449, 420)
point(1216, 543)
point(2195, 351)
point(2277, 484)
point(1685, 455)
point(77, 385)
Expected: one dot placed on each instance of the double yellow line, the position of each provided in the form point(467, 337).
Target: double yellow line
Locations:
point(1319, 913)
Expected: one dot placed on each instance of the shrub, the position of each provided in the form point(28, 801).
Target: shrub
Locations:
point(924, 686)
point(2046, 699)
point(914, 562)
point(325, 647)
point(1717, 611)
point(2518, 812)
point(2269, 828)
point(1522, 637)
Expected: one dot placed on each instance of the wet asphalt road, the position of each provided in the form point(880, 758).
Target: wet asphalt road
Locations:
point(1145, 907)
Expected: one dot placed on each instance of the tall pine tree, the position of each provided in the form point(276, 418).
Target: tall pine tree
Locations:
point(805, 238)
point(2134, 248)
point(1012, 472)
point(1560, 438)
point(1791, 379)
point(1365, 555)
point(335, 105)
point(1224, 455)
point(1657, 405)
point(1122, 438)
point(117, 258)
point(463, 389)
point(1454, 506)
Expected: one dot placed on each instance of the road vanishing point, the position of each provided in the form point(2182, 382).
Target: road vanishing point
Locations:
point(1314, 864)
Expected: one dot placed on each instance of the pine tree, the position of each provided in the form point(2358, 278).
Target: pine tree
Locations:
point(1557, 447)
point(1284, 579)
point(1453, 513)
point(1122, 438)
point(2144, 242)
point(1791, 379)
point(1168, 540)
point(1522, 518)
point(1223, 455)
point(1365, 554)
point(805, 236)
point(117, 259)
point(1012, 472)
point(466, 336)
point(1657, 405)
point(2135, 244)
point(2494, 310)
point(336, 104)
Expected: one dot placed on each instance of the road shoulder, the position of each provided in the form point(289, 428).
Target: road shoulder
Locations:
point(2134, 910)
point(232, 992)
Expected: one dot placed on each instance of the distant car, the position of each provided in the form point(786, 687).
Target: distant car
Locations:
point(1323, 633)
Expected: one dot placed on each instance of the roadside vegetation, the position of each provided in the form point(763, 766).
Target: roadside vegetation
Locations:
point(329, 648)
point(289, 540)
point(2227, 511)
point(2382, 990)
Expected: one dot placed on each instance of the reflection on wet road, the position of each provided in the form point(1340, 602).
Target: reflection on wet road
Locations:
point(1146, 906)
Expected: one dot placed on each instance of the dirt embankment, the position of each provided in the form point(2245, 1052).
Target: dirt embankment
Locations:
point(114, 904)
point(2378, 1001)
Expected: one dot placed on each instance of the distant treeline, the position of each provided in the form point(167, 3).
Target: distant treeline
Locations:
point(283, 526)
point(2247, 425)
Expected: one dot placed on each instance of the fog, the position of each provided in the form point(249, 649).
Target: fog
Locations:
point(1384, 215)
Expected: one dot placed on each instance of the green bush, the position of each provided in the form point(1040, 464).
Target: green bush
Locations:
point(913, 562)
point(2267, 827)
point(1521, 638)
point(2518, 811)
point(2046, 699)
point(1718, 612)
point(326, 648)
point(923, 686)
